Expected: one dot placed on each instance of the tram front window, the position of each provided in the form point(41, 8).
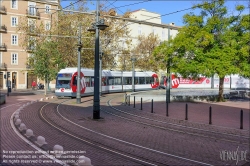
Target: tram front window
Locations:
point(63, 83)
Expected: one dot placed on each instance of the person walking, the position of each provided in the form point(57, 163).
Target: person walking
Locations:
point(33, 85)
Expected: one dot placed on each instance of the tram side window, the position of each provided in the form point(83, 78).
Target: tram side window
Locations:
point(127, 80)
point(89, 82)
point(114, 80)
point(136, 80)
point(141, 80)
point(149, 80)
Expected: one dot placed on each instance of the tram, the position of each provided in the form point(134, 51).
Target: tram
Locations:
point(112, 81)
point(230, 81)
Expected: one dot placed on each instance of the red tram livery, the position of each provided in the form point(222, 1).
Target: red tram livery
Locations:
point(112, 81)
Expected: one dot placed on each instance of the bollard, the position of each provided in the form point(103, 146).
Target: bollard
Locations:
point(210, 115)
point(186, 118)
point(129, 100)
point(141, 103)
point(134, 101)
point(166, 108)
point(152, 106)
point(125, 99)
point(241, 119)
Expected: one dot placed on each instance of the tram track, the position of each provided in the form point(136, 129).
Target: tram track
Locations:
point(137, 156)
point(56, 115)
point(82, 139)
point(145, 119)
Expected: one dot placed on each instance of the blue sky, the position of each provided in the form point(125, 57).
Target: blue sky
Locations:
point(158, 6)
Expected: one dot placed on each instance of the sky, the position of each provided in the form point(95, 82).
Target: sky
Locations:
point(169, 8)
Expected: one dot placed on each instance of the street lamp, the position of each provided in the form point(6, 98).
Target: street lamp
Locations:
point(79, 46)
point(98, 25)
point(133, 73)
point(168, 74)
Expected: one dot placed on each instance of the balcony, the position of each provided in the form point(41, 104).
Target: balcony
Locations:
point(2, 10)
point(30, 48)
point(28, 67)
point(32, 30)
point(3, 47)
point(3, 29)
point(3, 67)
point(32, 13)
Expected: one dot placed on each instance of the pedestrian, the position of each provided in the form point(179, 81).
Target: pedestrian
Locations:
point(33, 85)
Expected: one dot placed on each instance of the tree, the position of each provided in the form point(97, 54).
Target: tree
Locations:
point(144, 50)
point(211, 42)
point(46, 61)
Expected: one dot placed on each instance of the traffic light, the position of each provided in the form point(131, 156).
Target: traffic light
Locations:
point(4, 76)
point(8, 74)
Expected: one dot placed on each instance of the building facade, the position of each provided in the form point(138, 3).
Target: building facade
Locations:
point(13, 56)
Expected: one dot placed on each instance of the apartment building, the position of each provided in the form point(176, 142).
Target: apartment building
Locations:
point(12, 56)
point(143, 22)
point(146, 22)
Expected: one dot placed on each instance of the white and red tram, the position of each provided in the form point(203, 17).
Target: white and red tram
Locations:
point(112, 81)
point(230, 81)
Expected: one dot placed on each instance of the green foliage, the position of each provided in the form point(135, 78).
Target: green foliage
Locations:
point(211, 42)
point(46, 60)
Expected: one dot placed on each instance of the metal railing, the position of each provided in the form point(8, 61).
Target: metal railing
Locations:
point(2, 9)
point(3, 65)
point(3, 28)
point(32, 13)
point(3, 47)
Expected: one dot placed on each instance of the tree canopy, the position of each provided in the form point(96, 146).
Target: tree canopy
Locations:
point(212, 42)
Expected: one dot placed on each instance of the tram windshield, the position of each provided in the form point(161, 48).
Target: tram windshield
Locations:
point(63, 81)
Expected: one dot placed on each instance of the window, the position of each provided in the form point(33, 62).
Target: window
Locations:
point(47, 26)
point(14, 39)
point(114, 80)
point(154, 30)
point(163, 35)
point(127, 80)
point(13, 21)
point(47, 9)
point(14, 57)
point(14, 4)
point(141, 80)
point(139, 30)
point(32, 8)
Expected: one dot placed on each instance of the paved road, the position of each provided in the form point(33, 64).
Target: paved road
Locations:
point(225, 118)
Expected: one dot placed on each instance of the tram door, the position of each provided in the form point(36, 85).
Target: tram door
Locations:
point(1, 80)
point(30, 78)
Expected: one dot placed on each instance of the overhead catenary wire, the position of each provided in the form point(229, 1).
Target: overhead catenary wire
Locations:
point(129, 23)
point(109, 4)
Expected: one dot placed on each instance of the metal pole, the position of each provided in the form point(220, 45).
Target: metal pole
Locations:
point(133, 74)
point(166, 108)
point(168, 75)
point(100, 74)
point(241, 119)
point(210, 115)
point(134, 101)
point(186, 118)
point(141, 103)
point(78, 94)
point(152, 109)
point(7, 84)
point(96, 104)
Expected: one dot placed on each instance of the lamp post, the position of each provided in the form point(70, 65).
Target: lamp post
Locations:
point(79, 46)
point(101, 54)
point(98, 25)
point(168, 75)
point(133, 73)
